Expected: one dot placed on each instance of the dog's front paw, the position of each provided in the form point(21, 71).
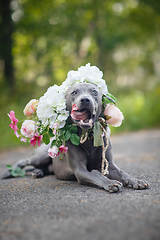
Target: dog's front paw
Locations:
point(134, 183)
point(129, 181)
point(37, 173)
point(112, 186)
point(139, 184)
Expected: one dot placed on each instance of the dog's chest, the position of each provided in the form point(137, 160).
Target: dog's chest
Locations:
point(94, 155)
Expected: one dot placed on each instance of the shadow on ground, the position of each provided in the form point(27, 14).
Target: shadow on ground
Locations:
point(52, 209)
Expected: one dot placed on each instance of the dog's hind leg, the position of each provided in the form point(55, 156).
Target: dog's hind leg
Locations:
point(62, 170)
point(39, 159)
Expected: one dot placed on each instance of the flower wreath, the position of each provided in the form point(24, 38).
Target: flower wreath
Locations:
point(47, 118)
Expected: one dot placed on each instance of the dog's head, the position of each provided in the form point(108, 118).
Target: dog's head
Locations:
point(84, 101)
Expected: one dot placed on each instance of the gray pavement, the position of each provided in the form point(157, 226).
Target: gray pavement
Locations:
point(47, 208)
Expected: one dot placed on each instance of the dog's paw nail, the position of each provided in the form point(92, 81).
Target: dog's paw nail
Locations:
point(147, 185)
point(114, 188)
point(120, 184)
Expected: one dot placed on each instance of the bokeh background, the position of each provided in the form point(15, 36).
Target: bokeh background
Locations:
point(40, 41)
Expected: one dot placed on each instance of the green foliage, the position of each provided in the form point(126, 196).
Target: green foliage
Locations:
point(52, 37)
point(46, 138)
point(97, 130)
point(140, 110)
point(50, 132)
point(68, 132)
point(108, 98)
point(75, 139)
point(16, 172)
point(67, 135)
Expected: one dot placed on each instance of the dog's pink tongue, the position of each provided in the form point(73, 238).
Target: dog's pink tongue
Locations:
point(78, 115)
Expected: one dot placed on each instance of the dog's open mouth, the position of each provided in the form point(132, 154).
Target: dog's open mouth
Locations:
point(84, 117)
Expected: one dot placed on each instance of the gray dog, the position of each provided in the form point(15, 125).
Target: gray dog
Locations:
point(82, 162)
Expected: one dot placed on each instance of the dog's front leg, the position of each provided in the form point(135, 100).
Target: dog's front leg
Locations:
point(77, 160)
point(95, 178)
point(123, 177)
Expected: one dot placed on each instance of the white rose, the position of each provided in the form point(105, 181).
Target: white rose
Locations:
point(74, 76)
point(90, 73)
point(62, 124)
point(45, 112)
point(51, 95)
point(53, 119)
point(63, 115)
point(53, 151)
point(28, 128)
point(86, 73)
point(102, 86)
point(65, 85)
point(113, 115)
point(60, 102)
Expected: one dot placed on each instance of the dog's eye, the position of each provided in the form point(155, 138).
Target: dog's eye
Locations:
point(94, 92)
point(74, 93)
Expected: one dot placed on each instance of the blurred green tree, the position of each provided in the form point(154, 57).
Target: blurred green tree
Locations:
point(6, 29)
point(54, 36)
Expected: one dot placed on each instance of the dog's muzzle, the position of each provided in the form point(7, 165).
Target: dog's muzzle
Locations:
point(84, 115)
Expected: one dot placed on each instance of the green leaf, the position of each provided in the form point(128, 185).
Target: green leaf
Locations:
point(39, 130)
point(67, 135)
point(73, 129)
point(61, 132)
point(16, 172)
point(75, 139)
point(67, 126)
point(51, 134)
point(22, 173)
point(97, 134)
point(108, 98)
point(46, 138)
point(111, 96)
point(9, 167)
point(53, 142)
point(45, 130)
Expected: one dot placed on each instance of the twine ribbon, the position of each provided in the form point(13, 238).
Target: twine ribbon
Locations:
point(104, 166)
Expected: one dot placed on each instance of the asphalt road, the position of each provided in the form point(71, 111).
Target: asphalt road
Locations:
point(47, 208)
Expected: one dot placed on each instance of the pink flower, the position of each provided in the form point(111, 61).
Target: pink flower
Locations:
point(36, 139)
point(14, 121)
point(28, 128)
point(53, 151)
point(63, 149)
point(113, 115)
point(17, 134)
point(23, 139)
point(55, 126)
point(30, 108)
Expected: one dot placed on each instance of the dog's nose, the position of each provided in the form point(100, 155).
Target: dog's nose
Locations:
point(85, 100)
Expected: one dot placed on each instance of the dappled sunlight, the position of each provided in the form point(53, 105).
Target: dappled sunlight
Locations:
point(42, 81)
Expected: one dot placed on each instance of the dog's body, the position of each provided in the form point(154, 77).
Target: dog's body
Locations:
point(82, 162)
